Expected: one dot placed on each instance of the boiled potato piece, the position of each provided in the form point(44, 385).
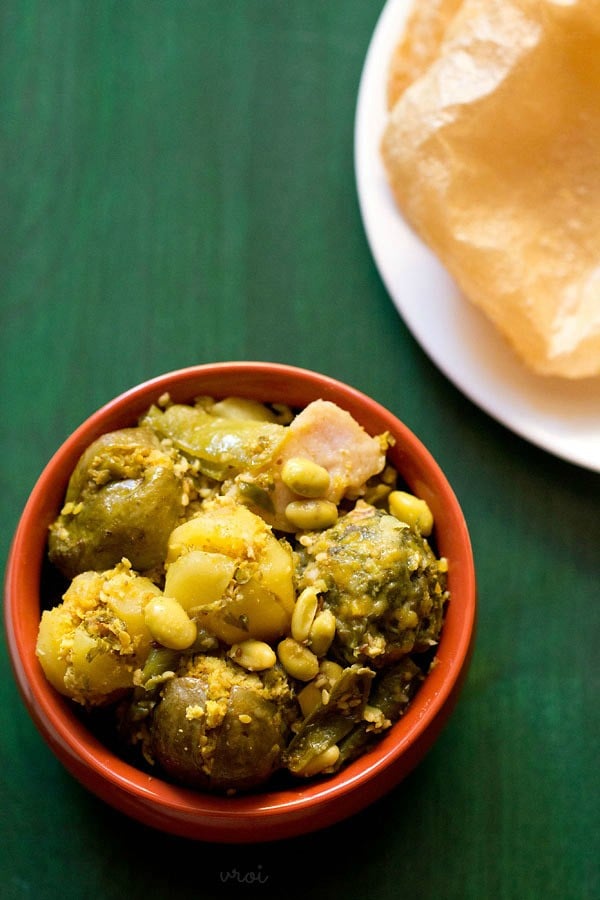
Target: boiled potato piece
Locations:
point(56, 627)
point(199, 577)
point(222, 527)
point(90, 645)
point(227, 568)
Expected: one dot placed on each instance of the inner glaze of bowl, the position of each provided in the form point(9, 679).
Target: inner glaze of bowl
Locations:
point(273, 814)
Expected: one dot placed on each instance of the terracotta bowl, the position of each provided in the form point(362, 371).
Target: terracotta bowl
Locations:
point(274, 814)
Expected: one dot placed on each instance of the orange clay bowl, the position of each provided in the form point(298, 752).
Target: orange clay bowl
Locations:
point(270, 814)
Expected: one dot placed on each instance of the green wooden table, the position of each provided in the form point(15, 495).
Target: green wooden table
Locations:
point(178, 187)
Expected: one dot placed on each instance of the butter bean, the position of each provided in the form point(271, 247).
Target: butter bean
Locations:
point(311, 515)
point(331, 670)
point(253, 655)
point(169, 624)
point(322, 632)
point(322, 761)
point(304, 613)
point(305, 477)
point(297, 660)
point(412, 510)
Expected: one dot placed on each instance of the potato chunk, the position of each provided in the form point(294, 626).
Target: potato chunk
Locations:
point(90, 644)
point(227, 569)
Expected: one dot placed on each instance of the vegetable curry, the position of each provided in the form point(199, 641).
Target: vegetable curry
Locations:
point(251, 592)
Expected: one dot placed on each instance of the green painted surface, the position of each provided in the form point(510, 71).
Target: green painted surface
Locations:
point(178, 187)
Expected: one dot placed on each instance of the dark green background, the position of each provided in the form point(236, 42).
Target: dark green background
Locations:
point(178, 188)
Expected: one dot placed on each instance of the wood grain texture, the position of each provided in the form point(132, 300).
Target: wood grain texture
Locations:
point(178, 188)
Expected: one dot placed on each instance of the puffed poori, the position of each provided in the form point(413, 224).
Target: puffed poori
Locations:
point(491, 151)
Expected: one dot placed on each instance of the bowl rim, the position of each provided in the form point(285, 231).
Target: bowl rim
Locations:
point(82, 752)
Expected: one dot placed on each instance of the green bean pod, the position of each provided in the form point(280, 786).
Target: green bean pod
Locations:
point(391, 693)
point(329, 723)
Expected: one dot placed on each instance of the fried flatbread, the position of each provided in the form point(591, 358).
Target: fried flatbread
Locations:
point(493, 155)
point(426, 27)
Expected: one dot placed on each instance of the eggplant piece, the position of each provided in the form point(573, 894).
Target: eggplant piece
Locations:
point(249, 743)
point(123, 500)
point(223, 447)
point(177, 740)
point(222, 731)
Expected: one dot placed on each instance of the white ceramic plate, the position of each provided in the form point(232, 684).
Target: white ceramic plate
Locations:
point(561, 416)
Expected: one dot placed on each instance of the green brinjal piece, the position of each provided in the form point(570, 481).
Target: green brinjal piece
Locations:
point(329, 723)
point(123, 500)
point(223, 447)
point(233, 750)
point(177, 739)
point(250, 742)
